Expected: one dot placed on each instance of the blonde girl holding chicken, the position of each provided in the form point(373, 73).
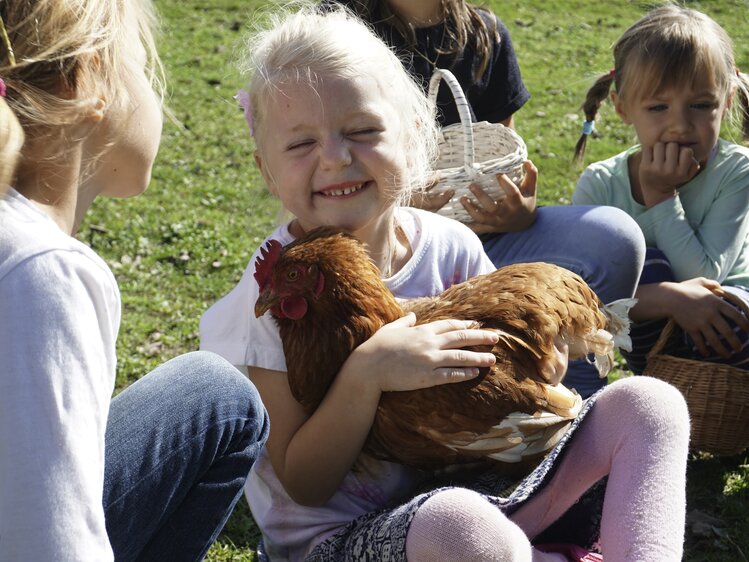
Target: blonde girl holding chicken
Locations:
point(342, 135)
point(154, 473)
point(675, 80)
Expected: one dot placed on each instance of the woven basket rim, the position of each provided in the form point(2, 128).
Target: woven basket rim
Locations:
point(718, 401)
point(476, 138)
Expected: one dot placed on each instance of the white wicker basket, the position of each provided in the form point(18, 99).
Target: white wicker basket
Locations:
point(498, 149)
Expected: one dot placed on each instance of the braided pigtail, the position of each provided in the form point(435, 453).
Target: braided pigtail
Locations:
point(593, 100)
point(742, 95)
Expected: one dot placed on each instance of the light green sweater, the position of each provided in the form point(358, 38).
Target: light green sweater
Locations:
point(703, 231)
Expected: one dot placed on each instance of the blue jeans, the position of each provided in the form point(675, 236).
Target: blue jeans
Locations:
point(179, 445)
point(603, 245)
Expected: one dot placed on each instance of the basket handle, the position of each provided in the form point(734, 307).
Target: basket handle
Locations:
point(463, 110)
point(670, 325)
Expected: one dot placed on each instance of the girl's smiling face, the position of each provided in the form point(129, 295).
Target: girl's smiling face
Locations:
point(332, 152)
point(689, 115)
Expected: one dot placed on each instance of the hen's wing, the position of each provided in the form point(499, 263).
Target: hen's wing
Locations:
point(512, 410)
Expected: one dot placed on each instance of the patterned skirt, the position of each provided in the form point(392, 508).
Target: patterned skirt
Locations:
point(381, 535)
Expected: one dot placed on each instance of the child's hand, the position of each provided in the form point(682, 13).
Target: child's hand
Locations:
point(553, 368)
point(402, 356)
point(664, 167)
point(703, 317)
point(517, 211)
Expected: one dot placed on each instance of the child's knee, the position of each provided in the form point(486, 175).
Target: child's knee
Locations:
point(459, 524)
point(652, 406)
point(620, 231)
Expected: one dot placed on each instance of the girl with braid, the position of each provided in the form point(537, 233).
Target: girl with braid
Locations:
point(675, 80)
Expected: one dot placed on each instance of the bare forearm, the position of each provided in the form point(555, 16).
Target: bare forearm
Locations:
point(324, 449)
point(654, 301)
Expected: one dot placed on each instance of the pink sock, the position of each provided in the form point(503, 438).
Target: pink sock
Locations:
point(638, 434)
point(458, 524)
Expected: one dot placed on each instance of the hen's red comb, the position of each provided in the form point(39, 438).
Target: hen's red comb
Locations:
point(264, 264)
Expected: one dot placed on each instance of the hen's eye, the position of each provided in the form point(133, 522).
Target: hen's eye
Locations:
point(292, 275)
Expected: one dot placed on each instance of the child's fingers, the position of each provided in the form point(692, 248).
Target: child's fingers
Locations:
point(451, 325)
point(726, 330)
point(699, 342)
point(671, 154)
point(712, 338)
point(734, 314)
point(553, 367)
point(483, 198)
point(730, 337)
point(530, 178)
point(447, 375)
point(687, 164)
point(461, 358)
point(480, 218)
point(646, 156)
point(512, 192)
point(658, 153)
point(463, 338)
point(404, 321)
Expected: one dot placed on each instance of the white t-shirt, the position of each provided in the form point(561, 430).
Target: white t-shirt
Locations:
point(59, 317)
point(445, 252)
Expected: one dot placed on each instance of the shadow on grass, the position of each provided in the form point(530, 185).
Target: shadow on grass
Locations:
point(239, 538)
point(717, 498)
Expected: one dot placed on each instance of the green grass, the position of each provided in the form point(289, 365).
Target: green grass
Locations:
point(185, 243)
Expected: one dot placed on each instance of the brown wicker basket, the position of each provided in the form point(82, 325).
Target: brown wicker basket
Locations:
point(717, 395)
point(473, 153)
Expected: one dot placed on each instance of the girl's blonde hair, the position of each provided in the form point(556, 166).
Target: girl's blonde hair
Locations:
point(670, 46)
point(11, 140)
point(306, 44)
point(69, 53)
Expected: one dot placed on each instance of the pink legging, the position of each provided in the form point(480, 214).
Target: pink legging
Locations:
point(637, 433)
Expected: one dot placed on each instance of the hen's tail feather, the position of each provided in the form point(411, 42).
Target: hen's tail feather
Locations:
point(617, 316)
point(562, 401)
point(603, 342)
point(519, 435)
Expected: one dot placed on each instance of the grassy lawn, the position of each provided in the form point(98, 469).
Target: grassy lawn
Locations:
point(185, 243)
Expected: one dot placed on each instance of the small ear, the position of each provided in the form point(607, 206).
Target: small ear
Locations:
point(266, 176)
point(96, 113)
point(619, 106)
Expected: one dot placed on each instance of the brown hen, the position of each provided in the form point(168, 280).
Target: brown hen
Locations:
point(327, 298)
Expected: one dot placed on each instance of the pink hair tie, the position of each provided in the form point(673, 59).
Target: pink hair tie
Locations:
point(243, 97)
point(3, 90)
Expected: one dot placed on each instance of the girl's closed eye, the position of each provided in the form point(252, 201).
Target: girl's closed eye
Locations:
point(657, 107)
point(300, 144)
point(365, 131)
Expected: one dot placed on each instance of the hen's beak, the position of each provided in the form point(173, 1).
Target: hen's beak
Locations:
point(265, 301)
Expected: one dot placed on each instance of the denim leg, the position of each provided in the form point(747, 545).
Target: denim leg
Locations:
point(603, 245)
point(179, 445)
